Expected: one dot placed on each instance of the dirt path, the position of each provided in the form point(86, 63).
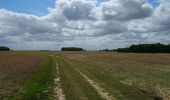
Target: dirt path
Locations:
point(59, 95)
point(95, 85)
point(74, 85)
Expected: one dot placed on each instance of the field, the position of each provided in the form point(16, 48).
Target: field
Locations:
point(16, 69)
point(84, 76)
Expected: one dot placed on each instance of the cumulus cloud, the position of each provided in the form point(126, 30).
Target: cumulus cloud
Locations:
point(126, 9)
point(76, 10)
point(157, 23)
point(89, 24)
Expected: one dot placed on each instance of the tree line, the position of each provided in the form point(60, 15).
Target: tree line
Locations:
point(2, 48)
point(72, 49)
point(147, 48)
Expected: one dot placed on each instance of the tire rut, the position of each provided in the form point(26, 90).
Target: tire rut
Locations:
point(101, 91)
point(59, 94)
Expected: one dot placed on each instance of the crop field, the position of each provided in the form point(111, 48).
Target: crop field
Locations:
point(84, 76)
point(116, 76)
point(16, 68)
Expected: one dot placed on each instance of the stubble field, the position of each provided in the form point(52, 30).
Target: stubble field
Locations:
point(16, 68)
point(84, 76)
point(123, 76)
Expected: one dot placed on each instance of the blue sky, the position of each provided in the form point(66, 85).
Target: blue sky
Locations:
point(155, 3)
point(38, 7)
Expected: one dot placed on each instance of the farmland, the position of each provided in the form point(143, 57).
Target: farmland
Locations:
point(85, 75)
point(16, 69)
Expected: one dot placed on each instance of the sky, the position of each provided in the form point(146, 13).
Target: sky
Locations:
point(36, 7)
point(90, 24)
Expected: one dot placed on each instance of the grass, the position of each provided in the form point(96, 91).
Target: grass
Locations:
point(113, 84)
point(126, 75)
point(15, 68)
point(75, 87)
point(40, 85)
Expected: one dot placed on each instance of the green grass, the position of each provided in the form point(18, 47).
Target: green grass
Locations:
point(75, 87)
point(113, 85)
point(40, 85)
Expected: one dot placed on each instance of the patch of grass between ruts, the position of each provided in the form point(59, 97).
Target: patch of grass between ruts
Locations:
point(39, 87)
point(74, 85)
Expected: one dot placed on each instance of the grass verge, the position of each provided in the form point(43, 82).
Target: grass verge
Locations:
point(39, 87)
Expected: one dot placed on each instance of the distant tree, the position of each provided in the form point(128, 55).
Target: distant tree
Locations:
point(123, 50)
point(147, 48)
point(2, 48)
point(72, 49)
point(105, 50)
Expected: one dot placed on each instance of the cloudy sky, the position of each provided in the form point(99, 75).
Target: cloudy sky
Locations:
point(91, 24)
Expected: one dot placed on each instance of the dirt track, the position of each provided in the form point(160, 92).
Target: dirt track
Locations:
point(58, 89)
point(96, 86)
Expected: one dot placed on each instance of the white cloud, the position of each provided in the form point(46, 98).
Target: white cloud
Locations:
point(110, 24)
point(126, 9)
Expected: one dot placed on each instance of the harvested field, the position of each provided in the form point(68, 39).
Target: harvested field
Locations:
point(129, 76)
point(15, 69)
point(85, 75)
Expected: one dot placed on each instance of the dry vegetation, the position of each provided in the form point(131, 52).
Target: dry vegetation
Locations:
point(126, 75)
point(15, 69)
